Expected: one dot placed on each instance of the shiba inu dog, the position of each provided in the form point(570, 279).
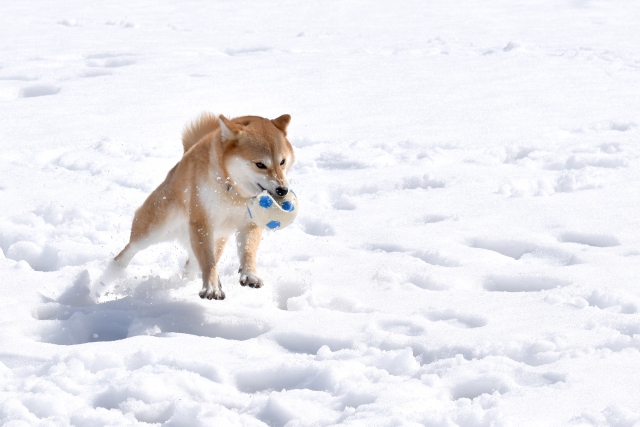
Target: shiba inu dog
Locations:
point(203, 199)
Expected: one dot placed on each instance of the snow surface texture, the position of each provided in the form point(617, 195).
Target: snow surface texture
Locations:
point(468, 249)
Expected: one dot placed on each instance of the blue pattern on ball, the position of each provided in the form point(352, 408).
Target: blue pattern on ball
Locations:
point(288, 206)
point(266, 202)
point(273, 224)
point(249, 210)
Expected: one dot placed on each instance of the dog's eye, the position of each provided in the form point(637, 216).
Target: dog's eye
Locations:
point(282, 162)
point(261, 165)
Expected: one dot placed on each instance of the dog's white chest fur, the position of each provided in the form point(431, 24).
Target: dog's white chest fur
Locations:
point(225, 217)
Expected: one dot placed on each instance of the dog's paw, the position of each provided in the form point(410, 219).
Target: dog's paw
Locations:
point(249, 279)
point(209, 292)
point(212, 293)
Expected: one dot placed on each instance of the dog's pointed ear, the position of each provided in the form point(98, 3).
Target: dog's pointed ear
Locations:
point(228, 130)
point(282, 122)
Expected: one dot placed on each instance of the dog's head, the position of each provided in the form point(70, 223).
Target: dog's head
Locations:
point(257, 154)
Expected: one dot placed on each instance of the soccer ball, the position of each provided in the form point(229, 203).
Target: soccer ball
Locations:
point(273, 213)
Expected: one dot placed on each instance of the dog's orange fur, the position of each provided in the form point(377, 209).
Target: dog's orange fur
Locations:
point(205, 195)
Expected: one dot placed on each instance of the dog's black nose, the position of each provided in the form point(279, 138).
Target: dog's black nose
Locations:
point(282, 191)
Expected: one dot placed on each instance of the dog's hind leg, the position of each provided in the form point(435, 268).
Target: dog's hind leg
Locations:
point(219, 244)
point(191, 267)
point(135, 245)
point(123, 259)
point(150, 225)
point(204, 248)
point(248, 241)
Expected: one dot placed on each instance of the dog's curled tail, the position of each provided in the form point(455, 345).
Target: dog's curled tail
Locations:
point(197, 129)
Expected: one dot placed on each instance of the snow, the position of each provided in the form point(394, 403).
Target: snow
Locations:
point(467, 247)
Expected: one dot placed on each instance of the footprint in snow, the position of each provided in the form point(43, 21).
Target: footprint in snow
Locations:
point(95, 73)
point(430, 256)
point(629, 328)
point(285, 376)
point(536, 353)
point(19, 77)
point(458, 319)
point(590, 239)
point(288, 289)
point(517, 249)
point(338, 161)
point(37, 90)
point(431, 219)
point(110, 60)
point(121, 24)
point(605, 300)
point(523, 283)
point(433, 257)
point(344, 203)
point(511, 248)
point(607, 125)
point(425, 282)
point(611, 148)
point(402, 327)
point(622, 126)
point(309, 343)
point(580, 162)
point(69, 22)
point(424, 182)
point(247, 51)
point(39, 257)
point(515, 154)
point(487, 384)
point(317, 227)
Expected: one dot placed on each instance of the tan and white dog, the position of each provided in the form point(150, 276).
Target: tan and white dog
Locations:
point(203, 199)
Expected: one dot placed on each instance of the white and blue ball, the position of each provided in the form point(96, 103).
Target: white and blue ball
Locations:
point(273, 213)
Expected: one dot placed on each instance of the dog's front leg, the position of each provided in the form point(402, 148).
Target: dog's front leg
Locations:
point(201, 235)
point(248, 241)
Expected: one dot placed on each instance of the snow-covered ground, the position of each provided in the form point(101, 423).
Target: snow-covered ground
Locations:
point(468, 243)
